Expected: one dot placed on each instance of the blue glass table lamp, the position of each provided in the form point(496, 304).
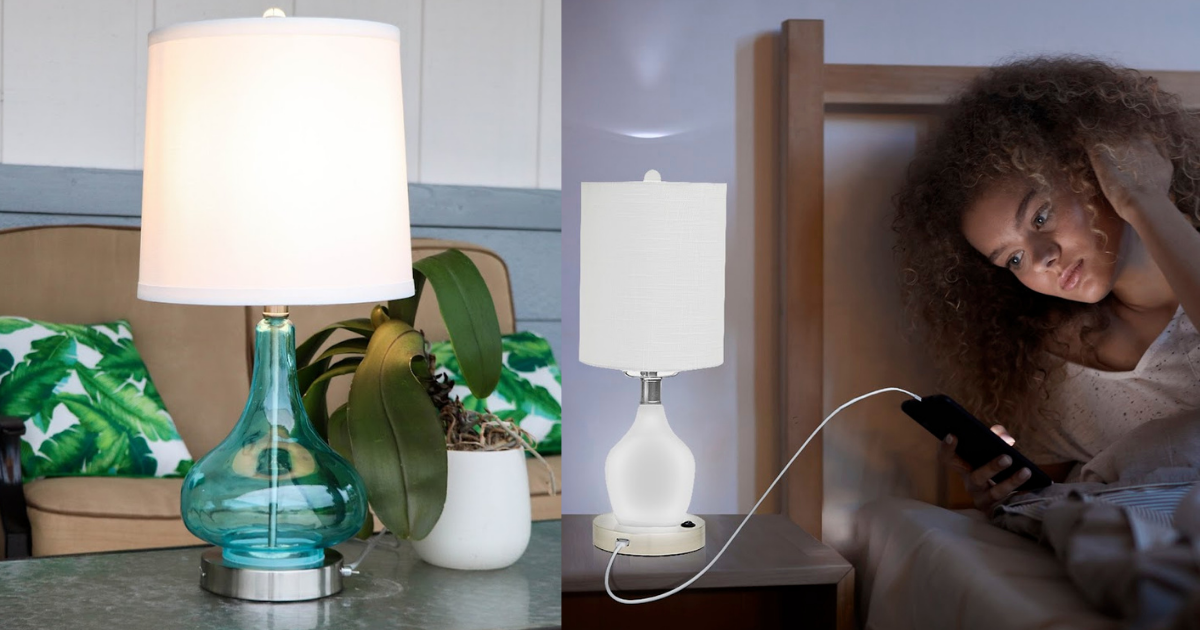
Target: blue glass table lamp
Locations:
point(274, 174)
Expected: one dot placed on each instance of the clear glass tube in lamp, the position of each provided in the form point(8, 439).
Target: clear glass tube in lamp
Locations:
point(272, 494)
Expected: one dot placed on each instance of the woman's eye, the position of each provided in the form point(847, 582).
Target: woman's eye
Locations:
point(1014, 261)
point(1042, 217)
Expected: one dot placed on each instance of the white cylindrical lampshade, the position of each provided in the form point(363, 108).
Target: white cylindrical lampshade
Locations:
point(274, 166)
point(652, 275)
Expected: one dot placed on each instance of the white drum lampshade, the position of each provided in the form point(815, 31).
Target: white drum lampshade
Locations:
point(274, 165)
point(651, 303)
point(652, 275)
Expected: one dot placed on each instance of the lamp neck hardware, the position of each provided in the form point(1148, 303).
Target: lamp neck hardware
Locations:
point(651, 388)
point(651, 385)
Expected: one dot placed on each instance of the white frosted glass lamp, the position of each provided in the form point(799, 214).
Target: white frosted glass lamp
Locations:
point(651, 304)
point(274, 174)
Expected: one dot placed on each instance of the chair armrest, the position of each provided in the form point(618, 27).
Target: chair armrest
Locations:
point(12, 493)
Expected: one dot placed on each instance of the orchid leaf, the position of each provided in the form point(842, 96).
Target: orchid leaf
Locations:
point(339, 433)
point(358, 345)
point(306, 375)
point(395, 436)
point(314, 394)
point(406, 308)
point(470, 316)
point(307, 350)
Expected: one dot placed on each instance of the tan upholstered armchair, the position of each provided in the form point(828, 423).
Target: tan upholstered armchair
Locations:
point(199, 358)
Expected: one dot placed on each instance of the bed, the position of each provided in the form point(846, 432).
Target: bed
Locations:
point(923, 563)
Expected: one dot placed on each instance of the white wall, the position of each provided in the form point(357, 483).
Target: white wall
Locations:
point(686, 70)
point(481, 81)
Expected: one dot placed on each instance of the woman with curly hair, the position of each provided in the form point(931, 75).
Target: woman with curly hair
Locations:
point(1049, 244)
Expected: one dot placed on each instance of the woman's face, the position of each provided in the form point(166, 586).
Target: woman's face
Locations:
point(1046, 239)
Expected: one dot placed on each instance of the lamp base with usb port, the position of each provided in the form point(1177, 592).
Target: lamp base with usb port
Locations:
point(686, 537)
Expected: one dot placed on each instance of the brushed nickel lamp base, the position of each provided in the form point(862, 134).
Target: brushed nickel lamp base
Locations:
point(270, 585)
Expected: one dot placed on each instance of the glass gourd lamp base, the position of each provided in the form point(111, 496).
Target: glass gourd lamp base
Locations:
point(273, 495)
point(649, 474)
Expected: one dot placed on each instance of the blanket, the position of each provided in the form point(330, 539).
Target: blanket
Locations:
point(1128, 532)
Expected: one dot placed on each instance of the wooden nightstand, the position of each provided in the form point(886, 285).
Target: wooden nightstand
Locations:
point(774, 575)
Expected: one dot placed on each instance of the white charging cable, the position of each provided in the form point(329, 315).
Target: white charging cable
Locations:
point(621, 543)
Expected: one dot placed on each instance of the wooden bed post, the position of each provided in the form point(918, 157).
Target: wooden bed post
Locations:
point(802, 209)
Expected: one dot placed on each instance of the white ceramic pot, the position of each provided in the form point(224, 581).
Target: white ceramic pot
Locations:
point(485, 524)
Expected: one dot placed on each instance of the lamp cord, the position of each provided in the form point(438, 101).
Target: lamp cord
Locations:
point(352, 568)
point(622, 543)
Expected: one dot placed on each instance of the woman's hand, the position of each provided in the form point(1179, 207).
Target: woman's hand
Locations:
point(985, 493)
point(1132, 174)
point(1136, 178)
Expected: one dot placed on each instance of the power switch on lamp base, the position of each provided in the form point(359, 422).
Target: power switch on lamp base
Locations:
point(686, 537)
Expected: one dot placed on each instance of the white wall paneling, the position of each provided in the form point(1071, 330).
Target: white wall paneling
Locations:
point(482, 81)
point(167, 12)
point(405, 14)
point(550, 131)
point(144, 17)
point(479, 92)
point(1, 81)
point(69, 85)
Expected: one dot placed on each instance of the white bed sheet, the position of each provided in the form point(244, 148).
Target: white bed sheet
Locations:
point(922, 567)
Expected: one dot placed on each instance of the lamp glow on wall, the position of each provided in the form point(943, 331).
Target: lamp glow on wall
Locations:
point(270, 143)
point(651, 304)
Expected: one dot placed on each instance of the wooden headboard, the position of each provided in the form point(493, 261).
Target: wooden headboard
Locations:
point(809, 89)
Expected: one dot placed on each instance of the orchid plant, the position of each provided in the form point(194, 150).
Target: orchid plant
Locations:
point(390, 427)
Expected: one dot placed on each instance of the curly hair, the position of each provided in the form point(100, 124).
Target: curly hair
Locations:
point(1030, 121)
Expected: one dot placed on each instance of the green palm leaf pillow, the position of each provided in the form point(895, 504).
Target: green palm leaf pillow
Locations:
point(87, 400)
point(529, 392)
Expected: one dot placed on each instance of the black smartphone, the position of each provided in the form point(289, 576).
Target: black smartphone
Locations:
point(977, 445)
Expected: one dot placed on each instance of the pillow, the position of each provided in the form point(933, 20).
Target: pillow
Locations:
point(529, 392)
point(88, 403)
